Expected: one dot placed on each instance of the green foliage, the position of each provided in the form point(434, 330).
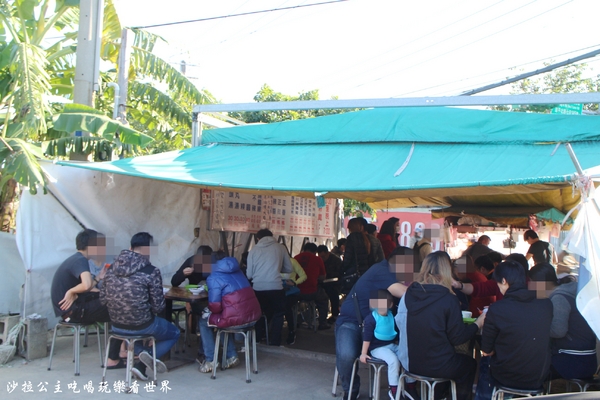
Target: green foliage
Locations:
point(267, 94)
point(355, 208)
point(569, 79)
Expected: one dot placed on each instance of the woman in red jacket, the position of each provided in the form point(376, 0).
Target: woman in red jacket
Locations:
point(386, 237)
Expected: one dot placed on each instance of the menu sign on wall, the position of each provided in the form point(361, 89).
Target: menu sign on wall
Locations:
point(283, 215)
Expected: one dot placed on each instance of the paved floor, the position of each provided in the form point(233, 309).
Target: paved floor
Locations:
point(284, 373)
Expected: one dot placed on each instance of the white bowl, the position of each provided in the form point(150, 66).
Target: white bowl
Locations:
point(195, 291)
point(467, 314)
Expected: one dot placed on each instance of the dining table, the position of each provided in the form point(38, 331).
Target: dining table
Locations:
point(179, 294)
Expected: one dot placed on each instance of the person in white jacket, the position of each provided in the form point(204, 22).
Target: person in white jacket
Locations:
point(266, 261)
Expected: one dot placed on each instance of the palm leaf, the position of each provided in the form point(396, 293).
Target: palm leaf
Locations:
point(148, 64)
point(32, 82)
point(161, 103)
point(81, 118)
point(22, 164)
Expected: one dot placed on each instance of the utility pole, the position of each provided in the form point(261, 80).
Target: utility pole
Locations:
point(123, 68)
point(89, 40)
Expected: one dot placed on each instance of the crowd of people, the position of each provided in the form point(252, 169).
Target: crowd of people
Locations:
point(527, 325)
point(402, 305)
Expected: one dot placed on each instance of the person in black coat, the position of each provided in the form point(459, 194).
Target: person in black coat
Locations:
point(516, 333)
point(431, 325)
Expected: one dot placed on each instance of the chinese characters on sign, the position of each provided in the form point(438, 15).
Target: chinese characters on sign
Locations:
point(283, 215)
point(72, 387)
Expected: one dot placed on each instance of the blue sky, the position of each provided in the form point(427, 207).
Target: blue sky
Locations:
point(366, 48)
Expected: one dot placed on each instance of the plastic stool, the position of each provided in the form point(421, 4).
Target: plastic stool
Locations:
point(76, 341)
point(427, 385)
point(336, 376)
point(312, 307)
point(130, 340)
point(248, 331)
point(499, 391)
point(375, 366)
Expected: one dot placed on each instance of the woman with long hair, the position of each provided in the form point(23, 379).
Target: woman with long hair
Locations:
point(431, 325)
point(386, 236)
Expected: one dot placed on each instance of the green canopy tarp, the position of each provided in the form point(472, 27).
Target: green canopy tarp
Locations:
point(389, 157)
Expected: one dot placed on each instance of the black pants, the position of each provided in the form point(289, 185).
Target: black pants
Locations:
point(88, 310)
point(290, 302)
point(333, 292)
point(272, 304)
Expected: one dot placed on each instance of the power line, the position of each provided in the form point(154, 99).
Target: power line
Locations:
point(431, 45)
point(495, 72)
point(461, 47)
point(238, 15)
point(548, 68)
point(337, 72)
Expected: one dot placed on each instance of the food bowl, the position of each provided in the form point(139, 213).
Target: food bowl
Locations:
point(195, 291)
point(467, 314)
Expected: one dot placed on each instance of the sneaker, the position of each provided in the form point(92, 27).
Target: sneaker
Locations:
point(146, 358)
point(232, 362)
point(207, 366)
point(291, 339)
point(139, 371)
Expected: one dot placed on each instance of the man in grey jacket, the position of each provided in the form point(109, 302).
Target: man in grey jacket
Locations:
point(266, 261)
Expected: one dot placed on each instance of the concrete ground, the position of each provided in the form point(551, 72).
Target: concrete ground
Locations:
point(284, 373)
point(302, 371)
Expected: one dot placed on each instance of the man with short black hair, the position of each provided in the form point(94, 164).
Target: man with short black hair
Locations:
point(266, 261)
point(133, 292)
point(539, 250)
point(516, 333)
point(74, 297)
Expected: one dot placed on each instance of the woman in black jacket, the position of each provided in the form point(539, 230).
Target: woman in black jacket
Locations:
point(431, 325)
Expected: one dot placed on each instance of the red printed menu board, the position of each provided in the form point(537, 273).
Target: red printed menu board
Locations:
point(283, 215)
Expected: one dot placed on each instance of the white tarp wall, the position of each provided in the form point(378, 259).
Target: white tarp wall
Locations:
point(116, 205)
point(584, 241)
point(13, 275)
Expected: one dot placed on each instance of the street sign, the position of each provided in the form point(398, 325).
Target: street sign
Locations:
point(568, 109)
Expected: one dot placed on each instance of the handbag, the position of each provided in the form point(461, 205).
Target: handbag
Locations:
point(348, 280)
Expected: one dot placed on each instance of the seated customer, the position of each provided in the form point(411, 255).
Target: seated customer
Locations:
point(379, 336)
point(483, 266)
point(431, 325)
point(516, 333)
point(315, 273)
point(573, 341)
point(133, 293)
point(195, 268)
point(292, 296)
point(231, 302)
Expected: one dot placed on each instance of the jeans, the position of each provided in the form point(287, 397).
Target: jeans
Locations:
point(391, 355)
point(348, 344)
point(485, 384)
point(165, 335)
point(208, 341)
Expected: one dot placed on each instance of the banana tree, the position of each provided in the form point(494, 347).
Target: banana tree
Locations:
point(37, 70)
